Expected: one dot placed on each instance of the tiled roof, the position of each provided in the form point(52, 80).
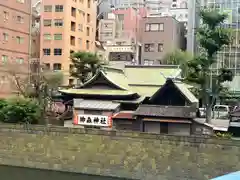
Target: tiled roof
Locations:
point(186, 92)
point(96, 92)
point(153, 76)
point(115, 76)
point(166, 111)
point(95, 104)
point(124, 115)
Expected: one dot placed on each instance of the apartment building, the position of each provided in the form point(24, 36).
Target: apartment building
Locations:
point(66, 26)
point(15, 27)
point(159, 35)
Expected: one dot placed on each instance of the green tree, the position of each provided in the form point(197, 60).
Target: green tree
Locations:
point(85, 65)
point(211, 38)
point(40, 85)
point(20, 110)
point(178, 57)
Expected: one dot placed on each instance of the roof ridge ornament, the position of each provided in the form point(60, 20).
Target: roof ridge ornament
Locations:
point(174, 76)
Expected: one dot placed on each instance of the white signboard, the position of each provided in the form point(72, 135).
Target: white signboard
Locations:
point(94, 120)
point(120, 49)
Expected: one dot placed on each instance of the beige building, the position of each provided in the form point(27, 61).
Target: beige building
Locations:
point(66, 26)
point(15, 28)
point(160, 35)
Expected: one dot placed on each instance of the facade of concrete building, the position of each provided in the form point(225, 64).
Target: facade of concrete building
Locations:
point(15, 28)
point(119, 34)
point(162, 7)
point(159, 35)
point(66, 26)
point(229, 56)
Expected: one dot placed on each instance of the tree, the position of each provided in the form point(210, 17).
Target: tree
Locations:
point(211, 38)
point(39, 85)
point(178, 57)
point(85, 65)
point(20, 110)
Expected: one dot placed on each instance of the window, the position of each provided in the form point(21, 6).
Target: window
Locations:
point(59, 8)
point(58, 22)
point(21, 1)
point(160, 47)
point(5, 15)
point(57, 52)
point(19, 60)
point(70, 82)
point(19, 19)
point(47, 36)
point(72, 40)
point(88, 18)
point(73, 26)
point(4, 59)
point(47, 66)
point(57, 36)
point(149, 47)
point(20, 40)
point(87, 44)
point(47, 22)
point(47, 52)
point(48, 8)
point(154, 27)
point(73, 12)
point(57, 66)
point(5, 37)
point(148, 62)
point(88, 31)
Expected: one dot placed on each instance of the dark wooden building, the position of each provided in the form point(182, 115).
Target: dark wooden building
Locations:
point(171, 110)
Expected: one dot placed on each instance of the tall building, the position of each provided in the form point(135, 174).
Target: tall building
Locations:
point(159, 35)
point(229, 56)
point(66, 26)
point(15, 50)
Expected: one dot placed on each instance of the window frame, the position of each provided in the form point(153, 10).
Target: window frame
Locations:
point(148, 45)
point(59, 8)
point(47, 20)
point(56, 53)
point(46, 8)
point(160, 27)
point(46, 51)
point(58, 34)
point(58, 22)
point(160, 45)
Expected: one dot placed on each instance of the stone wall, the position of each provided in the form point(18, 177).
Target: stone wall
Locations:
point(121, 154)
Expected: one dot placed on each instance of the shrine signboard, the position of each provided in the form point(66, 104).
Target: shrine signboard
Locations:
point(93, 120)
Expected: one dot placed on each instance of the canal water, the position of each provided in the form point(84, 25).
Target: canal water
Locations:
point(19, 173)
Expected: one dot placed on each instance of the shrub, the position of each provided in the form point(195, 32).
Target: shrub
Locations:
point(20, 110)
point(223, 135)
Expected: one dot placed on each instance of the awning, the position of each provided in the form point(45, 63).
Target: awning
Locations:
point(168, 120)
point(95, 104)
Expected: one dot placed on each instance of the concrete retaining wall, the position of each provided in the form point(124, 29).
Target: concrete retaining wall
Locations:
point(121, 154)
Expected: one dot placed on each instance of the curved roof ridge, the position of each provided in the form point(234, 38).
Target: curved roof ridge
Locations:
point(109, 78)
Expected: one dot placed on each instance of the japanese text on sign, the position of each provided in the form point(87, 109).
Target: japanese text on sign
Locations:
point(93, 120)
